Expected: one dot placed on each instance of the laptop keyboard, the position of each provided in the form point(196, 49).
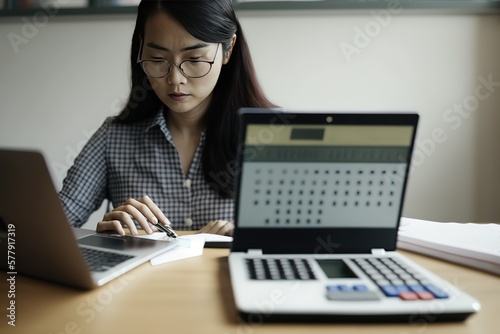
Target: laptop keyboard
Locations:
point(280, 269)
point(99, 261)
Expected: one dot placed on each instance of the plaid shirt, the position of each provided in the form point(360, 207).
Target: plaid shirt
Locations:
point(123, 161)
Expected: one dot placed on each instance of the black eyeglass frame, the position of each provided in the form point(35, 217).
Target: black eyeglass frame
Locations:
point(179, 66)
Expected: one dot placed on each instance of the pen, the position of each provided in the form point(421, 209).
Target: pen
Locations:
point(167, 229)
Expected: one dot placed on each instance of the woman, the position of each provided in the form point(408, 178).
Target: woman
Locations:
point(170, 151)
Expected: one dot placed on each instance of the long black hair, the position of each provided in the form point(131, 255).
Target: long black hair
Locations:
point(212, 21)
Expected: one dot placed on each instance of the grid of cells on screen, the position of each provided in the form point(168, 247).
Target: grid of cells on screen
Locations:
point(321, 194)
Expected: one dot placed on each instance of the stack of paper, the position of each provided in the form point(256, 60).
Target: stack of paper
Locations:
point(474, 245)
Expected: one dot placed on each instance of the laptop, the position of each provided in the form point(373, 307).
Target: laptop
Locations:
point(36, 239)
point(319, 198)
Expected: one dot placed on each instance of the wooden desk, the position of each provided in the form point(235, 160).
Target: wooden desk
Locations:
point(194, 296)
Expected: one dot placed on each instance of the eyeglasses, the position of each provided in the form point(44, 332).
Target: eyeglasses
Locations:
point(190, 68)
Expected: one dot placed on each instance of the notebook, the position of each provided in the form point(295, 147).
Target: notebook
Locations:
point(36, 239)
point(319, 197)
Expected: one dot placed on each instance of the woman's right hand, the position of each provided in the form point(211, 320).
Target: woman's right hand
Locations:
point(143, 210)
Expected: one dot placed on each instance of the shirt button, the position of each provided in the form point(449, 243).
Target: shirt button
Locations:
point(187, 183)
point(188, 222)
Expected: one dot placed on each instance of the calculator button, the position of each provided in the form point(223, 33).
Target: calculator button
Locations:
point(350, 293)
point(344, 288)
point(405, 276)
point(402, 288)
point(408, 295)
point(360, 287)
point(416, 288)
point(425, 295)
point(376, 277)
point(382, 282)
point(419, 277)
point(411, 282)
point(391, 277)
point(352, 296)
point(438, 293)
point(390, 291)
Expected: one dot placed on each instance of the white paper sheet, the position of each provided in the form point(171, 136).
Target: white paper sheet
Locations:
point(187, 246)
point(471, 244)
point(215, 237)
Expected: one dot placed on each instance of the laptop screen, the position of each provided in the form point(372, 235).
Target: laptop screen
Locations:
point(323, 172)
point(314, 176)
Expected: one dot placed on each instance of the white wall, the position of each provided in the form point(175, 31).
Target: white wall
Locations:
point(72, 72)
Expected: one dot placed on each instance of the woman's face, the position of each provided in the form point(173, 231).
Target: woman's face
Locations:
point(167, 39)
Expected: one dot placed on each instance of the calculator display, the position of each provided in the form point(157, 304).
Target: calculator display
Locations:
point(336, 269)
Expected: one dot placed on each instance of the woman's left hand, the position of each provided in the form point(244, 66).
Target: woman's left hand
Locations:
point(221, 227)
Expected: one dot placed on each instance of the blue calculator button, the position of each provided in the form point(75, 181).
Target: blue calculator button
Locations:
point(437, 292)
point(390, 291)
point(339, 287)
point(416, 288)
point(394, 290)
point(360, 287)
point(402, 288)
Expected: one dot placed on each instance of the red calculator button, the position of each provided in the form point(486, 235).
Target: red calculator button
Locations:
point(408, 295)
point(425, 295)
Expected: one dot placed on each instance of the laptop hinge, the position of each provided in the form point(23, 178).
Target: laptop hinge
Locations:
point(378, 251)
point(254, 252)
